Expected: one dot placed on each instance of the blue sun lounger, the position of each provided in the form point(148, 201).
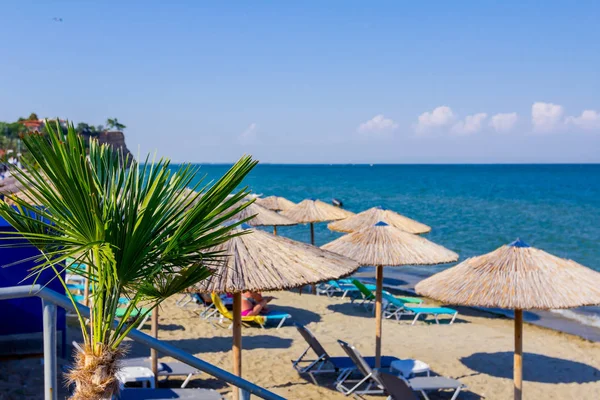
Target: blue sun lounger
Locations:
point(397, 308)
point(345, 287)
point(368, 297)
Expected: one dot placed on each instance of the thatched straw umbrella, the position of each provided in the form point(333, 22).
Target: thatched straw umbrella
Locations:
point(517, 277)
point(372, 216)
point(275, 203)
point(383, 244)
point(260, 261)
point(264, 217)
point(310, 211)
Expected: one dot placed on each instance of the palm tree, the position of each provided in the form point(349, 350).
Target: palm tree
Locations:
point(115, 124)
point(143, 235)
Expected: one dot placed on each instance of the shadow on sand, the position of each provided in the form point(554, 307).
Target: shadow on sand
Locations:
point(170, 327)
point(536, 367)
point(356, 310)
point(218, 344)
point(300, 315)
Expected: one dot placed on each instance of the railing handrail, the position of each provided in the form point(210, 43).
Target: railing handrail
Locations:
point(13, 292)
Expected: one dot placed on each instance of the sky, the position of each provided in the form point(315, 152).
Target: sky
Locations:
point(315, 81)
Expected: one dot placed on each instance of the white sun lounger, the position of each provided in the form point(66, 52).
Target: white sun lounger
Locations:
point(166, 368)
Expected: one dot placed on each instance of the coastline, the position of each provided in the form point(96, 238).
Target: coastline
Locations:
point(565, 321)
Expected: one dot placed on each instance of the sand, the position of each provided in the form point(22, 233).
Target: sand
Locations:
point(477, 350)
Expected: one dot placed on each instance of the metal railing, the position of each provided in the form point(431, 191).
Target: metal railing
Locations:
point(51, 299)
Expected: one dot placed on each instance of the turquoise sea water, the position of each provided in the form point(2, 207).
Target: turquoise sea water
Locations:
point(472, 209)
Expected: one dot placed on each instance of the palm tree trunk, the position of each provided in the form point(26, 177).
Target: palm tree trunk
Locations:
point(94, 373)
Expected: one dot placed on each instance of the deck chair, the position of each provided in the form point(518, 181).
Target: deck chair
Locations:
point(324, 364)
point(208, 308)
point(396, 388)
point(167, 369)
point(368, 296)
point(371, 384)
point(397, 308)
point(343, 287)
point(261, 320)
point(164, 394)
point(120, 312)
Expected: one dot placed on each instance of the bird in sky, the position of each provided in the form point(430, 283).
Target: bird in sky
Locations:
point(57, 19)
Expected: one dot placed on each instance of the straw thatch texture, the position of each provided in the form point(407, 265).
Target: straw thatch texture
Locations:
point(260, 261)
point(373, 215)
point(263, 216)
point(308, 211)
point(515, 277)
point(383, 244)
point(275, 203)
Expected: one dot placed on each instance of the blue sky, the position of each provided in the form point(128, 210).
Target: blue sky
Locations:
point(315, 81)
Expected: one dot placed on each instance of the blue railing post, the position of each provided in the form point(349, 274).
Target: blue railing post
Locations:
point(244, 394)
point(50, 364)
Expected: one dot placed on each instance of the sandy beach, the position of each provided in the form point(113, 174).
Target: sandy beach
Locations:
point(477, 350)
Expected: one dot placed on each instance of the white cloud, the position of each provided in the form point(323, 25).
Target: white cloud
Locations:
point(546, 117)
point(588, 120)
point(471, 124)
point(438, 118)
point(378, 123)
point(503, 122)
point(249, 134)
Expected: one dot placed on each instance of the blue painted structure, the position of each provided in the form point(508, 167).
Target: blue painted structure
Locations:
point(24, 316)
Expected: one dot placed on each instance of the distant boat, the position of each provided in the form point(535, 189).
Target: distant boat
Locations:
point(337, 203)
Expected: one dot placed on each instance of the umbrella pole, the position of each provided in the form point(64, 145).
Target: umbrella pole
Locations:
point(518, 365)
point(378, 316)
point(312, 241)
point(237, 340)
point(275, 230)
point(153, 352)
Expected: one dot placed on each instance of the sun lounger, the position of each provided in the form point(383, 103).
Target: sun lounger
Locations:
point(370, 383)
point(396, 388)
point(368, 297)
point(120, 312)
point(164, 394)
point(344, 287)
point(397, 308)
point(261, 320)
point(79, 289)
point(166, 369)
point(324, 364)
point(208, 307)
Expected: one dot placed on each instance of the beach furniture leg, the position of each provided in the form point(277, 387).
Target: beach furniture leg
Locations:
point(187, 380)
point(144, 321)
point(455, 395)
point(453, 318)
point(416, 318)
point(281, 323)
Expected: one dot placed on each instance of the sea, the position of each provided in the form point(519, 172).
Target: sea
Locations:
point(472, 209)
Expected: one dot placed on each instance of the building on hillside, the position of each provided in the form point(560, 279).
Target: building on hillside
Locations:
point(37, 124)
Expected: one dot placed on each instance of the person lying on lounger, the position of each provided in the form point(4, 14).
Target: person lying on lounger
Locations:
point(254, 303)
